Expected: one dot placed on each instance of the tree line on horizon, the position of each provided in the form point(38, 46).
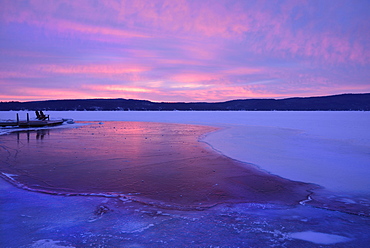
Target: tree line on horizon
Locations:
point(344, 102)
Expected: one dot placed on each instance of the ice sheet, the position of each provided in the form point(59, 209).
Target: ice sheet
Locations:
point(336, 164)
point(331, 149)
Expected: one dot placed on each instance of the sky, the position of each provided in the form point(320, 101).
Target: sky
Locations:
point(183, 50)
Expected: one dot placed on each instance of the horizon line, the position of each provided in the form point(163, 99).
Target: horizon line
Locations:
point(237, 99)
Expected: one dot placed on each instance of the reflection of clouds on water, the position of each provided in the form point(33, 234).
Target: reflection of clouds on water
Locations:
point(163, 164)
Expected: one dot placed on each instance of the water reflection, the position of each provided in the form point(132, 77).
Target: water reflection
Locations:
point(39, 134)
point(153, 162)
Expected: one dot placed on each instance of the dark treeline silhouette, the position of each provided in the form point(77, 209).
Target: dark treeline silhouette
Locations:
point(325, 103)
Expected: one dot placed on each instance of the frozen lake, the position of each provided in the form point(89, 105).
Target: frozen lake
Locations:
point(330, 149)
point(326, 148)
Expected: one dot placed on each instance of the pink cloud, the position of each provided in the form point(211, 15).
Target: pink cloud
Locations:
point(119, 88)
point(67, 26)
point(222, 93)
point(34, 94)
point(19, 74)
point(194, 77)
point(242, 71)
point(203, 20)
point(209, 79)
point(92, 69)
point(195, 50)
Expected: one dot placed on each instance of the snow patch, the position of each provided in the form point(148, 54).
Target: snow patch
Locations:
point(319, 238)
point(49, 243)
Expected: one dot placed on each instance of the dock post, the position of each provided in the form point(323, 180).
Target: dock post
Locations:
point(17, 119)
point(28, 118)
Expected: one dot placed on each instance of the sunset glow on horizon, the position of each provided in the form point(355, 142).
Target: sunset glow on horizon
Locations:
point(182, 50)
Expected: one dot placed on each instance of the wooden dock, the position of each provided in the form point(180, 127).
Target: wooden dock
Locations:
point(30, 123)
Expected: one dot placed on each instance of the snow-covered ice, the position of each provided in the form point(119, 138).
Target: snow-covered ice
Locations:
point(319, 238)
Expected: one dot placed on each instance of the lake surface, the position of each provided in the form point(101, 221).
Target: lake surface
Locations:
point(172, 190)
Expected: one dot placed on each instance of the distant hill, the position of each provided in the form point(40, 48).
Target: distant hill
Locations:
point(324, 103)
